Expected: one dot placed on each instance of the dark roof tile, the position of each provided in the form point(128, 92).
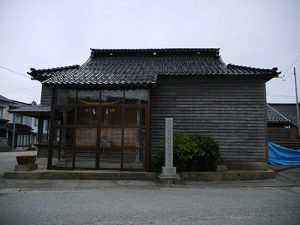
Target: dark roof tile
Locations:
point(288, 110)
point(43, 74)
point(143, 66)
point(273, 116)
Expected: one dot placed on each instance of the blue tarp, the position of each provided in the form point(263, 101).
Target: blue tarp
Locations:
point(279, 155)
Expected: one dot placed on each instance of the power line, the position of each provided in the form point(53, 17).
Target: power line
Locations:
point(284, 77)
point(290, 66)
point(281, 82)
point(15, 72)
point(31, 88)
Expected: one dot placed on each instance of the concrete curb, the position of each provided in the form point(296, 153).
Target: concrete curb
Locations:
point(234, 175)
point(279, 168)
point(231, 175)
point(79, 175)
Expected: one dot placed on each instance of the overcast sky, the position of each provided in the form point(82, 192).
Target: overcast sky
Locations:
point(49, 33)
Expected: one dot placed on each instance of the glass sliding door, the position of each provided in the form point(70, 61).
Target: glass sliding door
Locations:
point(100, 129)
point(111, 148)
point(87, 116)
point(111, 141)
point(86, 146)
point(134, 138)
point(134, 148)
point(63, 136)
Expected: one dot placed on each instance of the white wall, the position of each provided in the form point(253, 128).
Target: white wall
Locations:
point(5, 106)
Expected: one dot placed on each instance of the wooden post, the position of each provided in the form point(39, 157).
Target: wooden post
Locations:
point(297, 103)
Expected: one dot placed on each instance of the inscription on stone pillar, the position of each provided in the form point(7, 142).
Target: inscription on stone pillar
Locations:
point(169, 170)
point(169, 143)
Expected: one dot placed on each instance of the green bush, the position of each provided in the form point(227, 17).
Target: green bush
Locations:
point(158, 162)
point(191, 153)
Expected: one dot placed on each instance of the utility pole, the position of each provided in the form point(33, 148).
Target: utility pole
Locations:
point(14, 133)
point(297, 105)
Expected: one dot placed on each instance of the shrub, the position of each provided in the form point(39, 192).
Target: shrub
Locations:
point(158, 162)
point(191, 153)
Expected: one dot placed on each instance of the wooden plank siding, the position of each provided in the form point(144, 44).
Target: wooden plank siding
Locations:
point(280, 134)
point(232, 111)
point(46, 95)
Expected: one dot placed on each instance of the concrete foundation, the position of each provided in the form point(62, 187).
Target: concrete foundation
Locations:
point(233, 175)
point(124, 175)
point(27, 167)
point(246, 165)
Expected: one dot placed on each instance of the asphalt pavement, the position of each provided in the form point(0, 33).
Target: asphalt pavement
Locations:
point(8, 160)
point(147, 203)
point(88, 202)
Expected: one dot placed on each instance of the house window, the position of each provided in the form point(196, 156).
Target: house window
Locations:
point(87, 116)
point(36, 122)
point(111, 116)
point(65, 97)
point(19, 119)
point(88, 97)
point(111, 97)
point(22, 140)
point(136, 97)
point(134, 117)
point(45, 130)
point(1, 112)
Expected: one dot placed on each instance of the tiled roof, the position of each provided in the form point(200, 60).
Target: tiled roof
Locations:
point(12, 103)
point(273, 116)
point(4, 99)
point(288, 110)
point(44, 74)
point(236, 69)
point(143, 66)
point(33, 110)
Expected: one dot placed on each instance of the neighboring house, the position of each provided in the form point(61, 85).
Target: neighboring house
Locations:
point(286, 109)
point(16, 127)
point(109, 113)
point(282, 124)
point(4, 118)
point(281, 130)
point(40, 116)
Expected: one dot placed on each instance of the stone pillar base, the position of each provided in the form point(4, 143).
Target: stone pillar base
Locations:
point(169, 176)
point(167, 179)
point(27, 167)
point(169, 171)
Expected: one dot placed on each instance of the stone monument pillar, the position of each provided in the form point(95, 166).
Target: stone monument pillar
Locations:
point(169, 171)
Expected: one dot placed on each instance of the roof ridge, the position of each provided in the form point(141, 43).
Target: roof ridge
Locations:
point(33, 70)
point(153, 49)
point(214, 51)
point(280, 114)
